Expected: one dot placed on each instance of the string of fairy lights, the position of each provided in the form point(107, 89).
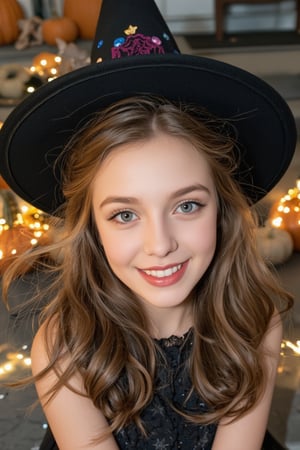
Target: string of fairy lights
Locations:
point(30, 222)
point(22, 226)
point(287, 204)
point(46, 66)
point(15, 360)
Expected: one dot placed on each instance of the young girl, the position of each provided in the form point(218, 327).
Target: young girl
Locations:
point(162, 331)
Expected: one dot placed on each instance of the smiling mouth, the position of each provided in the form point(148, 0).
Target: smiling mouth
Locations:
point(168, 276)
point(163, 273)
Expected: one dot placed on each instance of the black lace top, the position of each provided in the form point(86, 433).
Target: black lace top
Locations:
point(168, 430)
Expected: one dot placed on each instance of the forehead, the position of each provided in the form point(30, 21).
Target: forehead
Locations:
point(163, 161)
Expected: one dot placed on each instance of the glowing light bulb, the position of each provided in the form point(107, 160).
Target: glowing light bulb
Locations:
point(8, 367)
point(24, 209)
point(277, 222)
point(294, 347)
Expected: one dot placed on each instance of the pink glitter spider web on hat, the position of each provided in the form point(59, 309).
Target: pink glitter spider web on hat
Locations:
point(137, 44)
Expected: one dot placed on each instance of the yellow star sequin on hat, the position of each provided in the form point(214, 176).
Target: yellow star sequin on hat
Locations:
point(130, 30)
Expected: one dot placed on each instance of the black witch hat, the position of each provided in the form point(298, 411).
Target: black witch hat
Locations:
point(134, 53)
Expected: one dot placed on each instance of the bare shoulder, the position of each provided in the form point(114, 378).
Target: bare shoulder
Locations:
point(272, 340)
point(74, 420)
point(40, 346)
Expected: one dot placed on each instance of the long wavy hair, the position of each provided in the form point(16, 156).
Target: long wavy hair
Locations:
point(100, 323)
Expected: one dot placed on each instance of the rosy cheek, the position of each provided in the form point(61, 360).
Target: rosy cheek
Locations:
point(117, 250)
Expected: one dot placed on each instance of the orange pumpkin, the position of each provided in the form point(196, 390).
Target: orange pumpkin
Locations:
point(59, 27)
point(45, 59)
point(3, 184)
point(10, 13)
point(285, 214)
point(86, 18)
point(46, 64)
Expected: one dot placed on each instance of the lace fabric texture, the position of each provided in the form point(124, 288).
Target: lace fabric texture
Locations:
point(166, 429)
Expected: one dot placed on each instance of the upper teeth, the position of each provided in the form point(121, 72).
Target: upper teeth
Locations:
point(163, 273)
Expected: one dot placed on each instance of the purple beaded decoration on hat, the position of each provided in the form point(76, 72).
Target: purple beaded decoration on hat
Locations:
point(137, 28)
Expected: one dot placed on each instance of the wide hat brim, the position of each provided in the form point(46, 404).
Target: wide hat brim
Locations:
point(38, 129)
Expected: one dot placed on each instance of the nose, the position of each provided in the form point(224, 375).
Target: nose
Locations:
point(159, 238)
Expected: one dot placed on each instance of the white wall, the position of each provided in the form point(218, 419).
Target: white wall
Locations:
point(28, 7)
point(198, 16)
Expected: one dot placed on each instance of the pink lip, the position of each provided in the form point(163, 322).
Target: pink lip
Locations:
point(164, 281)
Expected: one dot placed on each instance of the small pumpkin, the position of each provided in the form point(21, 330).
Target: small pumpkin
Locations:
point(16, 235)
point(85, 18)
point(275, 245)
point(285, 214)
point(59, 27)
point(10, 13)
point(45, 59)
point(46, 64)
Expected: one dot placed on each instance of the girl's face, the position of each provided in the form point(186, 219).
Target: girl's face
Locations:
point(155, 208)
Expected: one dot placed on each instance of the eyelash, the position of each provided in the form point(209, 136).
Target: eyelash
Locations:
point(191, 202)
point(196, 205)
point(115, 214)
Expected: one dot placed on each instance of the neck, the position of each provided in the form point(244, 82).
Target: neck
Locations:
point(165, 322)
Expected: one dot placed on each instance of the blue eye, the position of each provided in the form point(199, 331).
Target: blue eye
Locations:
point(124, 217)
point(188, 207)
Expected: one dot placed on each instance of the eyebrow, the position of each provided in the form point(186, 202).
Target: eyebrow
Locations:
point(132, 200)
